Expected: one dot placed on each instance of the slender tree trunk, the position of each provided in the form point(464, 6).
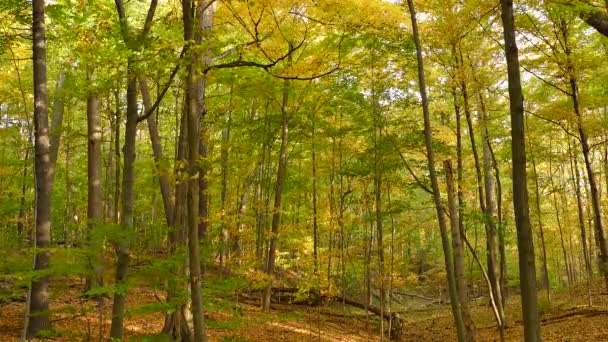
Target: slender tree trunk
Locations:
point(21, 215)
point(447, 249)
point(278, 192)
point(490, 200)
point(459, 267)
point(117, 172)
point(545, 271)
point(243, 204)
point(128, 181)
point(202, 37)
point(225, 249)
point(315, 225)
point(501, 227)
point(157, 151)
point(595, 195)
point(107, 205)
point(195, 114)
point(127, 216)
point(575, 176)
point(459, 166)
point(176, 324)
point(38, 301)
point(378, 178)
point(525, 242)
point(559, 219)
point(94, 206)
point(57, 119)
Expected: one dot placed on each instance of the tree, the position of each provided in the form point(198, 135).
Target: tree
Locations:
point(38, 299)
point(428, 138)
point(525, 244)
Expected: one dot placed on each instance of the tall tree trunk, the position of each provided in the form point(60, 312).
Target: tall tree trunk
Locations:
point(202, 37)
point(558, 218)
point(501, 227)
point(176, 325)
point(57, 119)
point(117, 171)
point(525, 242)
point(541, 233)
point(194, 114)
point(575, 177)
point(157, 152)
point(595, 195)
point(315, 225)
point(378, 167)
point(490, 201)
point(459, 268)
point(278, 193)
point(225, 249)
point(39, 301)
point(127, 215)
point(94, 205)
point(428, 135)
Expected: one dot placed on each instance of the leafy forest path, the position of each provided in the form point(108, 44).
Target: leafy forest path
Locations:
point(566, 318)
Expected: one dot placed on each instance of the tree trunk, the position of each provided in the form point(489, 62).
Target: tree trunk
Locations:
point(225, 249)
point(447, 249)
point(490, 201)
point(278, 192)
point(545, 271)
point(39, 301)
point(193, 124)
point(176, 325)
point(315, 226)
point(459, 268)
point(94, 205)
point(525, 242)
point(57, 119)
point(117, 172)
point(595, 195)
point(157, 151)
point(127, 199)
point(559, 219)
point(575, 176)
point(127, 215)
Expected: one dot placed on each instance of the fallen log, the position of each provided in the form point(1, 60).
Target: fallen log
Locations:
point(415, 295)
point(394, 319)
point(315, 298)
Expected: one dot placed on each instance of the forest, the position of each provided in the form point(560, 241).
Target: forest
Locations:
point(303, 170)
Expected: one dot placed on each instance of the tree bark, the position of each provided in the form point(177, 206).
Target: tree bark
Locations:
point(525, 243)
point(127, 216)
point(57, 119)
point(541, 233)
point(225, 249)
point(194, 114)
point(447, 249)
point(94, 205)
point(575, 176)
point(558, 218)
point(278, 192)
point(39, 296)
point(315, 226)
point(459, 267)
point(157, 151)
point(598, 218)
point(490, 201)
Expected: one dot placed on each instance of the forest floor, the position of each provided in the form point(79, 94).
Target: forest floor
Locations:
point(566, 318)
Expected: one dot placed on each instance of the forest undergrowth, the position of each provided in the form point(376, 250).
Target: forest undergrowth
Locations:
point(566, 317)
